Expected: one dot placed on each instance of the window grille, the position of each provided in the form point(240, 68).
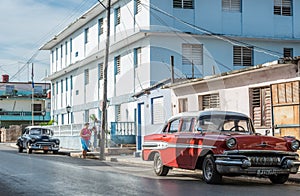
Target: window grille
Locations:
point(210, 101)
point(242, 56)
point(260, 101)
point(185, 4)
point(138, 6)
point(86, 76)
point(100, 26)
point(231, 5)
point(158, 115)
point(192, 54)
point(288, 52)
point(283, 7)
point(117, 16)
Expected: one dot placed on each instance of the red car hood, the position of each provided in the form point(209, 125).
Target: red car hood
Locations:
point(258, 142)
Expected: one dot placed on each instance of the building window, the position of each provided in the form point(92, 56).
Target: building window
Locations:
point(183, 105)
point(86, 115)
point(86, 76)
point(158, 114)
point(71, 82)
point(100, 26)
point(137, 56)
point(62, 119)
point(86, 35)
point(66, 48)
point(52, 56)
point(288, 52)
point(117, 65)
point(100, 71)
point(71, 45)
point(57, 87)
point(53, 89)
point(118, 113)
point(242, 56)
point(209, 101)
point(56, 54)
point(185, 4)
point(137, 6)
point(67, 85)
point(283, 7)
point(260, 103)
point(61, 51)
point(192, 54)
point(231, 5)
point(117, 16)
point(62, 86)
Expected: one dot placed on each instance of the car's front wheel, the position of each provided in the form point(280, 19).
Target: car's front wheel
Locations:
point(28, 150)
point(20, 149)
point(159, 168)
point(279, 179)
point(210, 173)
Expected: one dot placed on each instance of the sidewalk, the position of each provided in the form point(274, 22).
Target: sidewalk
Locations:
point(123, 158)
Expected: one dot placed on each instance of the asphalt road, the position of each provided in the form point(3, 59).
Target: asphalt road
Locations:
point(48, 174)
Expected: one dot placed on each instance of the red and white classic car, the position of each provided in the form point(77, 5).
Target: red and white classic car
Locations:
point(220, 143)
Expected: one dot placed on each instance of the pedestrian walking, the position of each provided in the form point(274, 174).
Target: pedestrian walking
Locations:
point(85, 137)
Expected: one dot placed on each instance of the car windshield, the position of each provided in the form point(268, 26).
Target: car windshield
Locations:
point(225, 123)
point(38, 131)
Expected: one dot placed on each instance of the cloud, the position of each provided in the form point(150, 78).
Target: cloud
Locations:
point(27, 24)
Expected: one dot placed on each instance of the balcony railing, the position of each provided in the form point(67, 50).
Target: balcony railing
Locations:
point(123, 132)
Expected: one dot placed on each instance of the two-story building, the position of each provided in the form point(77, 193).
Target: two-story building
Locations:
point(204, 37)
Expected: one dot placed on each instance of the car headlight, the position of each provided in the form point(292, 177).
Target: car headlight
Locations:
point(295, 145)
point(231, 143)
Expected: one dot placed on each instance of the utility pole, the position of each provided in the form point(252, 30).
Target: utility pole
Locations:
point(104, 100)
point(32, 96)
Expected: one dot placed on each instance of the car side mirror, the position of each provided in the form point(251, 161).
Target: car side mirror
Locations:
point(200, 129)
point(267, 132)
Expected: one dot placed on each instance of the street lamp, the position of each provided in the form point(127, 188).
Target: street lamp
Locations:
point(43, 114)
point(68, 108)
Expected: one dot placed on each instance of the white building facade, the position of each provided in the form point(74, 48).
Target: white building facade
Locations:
point(205, 38)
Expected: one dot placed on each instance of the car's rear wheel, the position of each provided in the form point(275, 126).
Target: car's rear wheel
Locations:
point(159, 168)
point(279, 179)
point(55, 151)
point(210, 173)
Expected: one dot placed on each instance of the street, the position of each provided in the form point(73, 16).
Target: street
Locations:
point(48, 174)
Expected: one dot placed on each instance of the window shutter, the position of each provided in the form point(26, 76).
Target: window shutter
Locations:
point(211, 101)
point(158, 115)
point(192, 54)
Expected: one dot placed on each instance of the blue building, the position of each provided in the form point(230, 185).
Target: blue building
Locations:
point(204, 37)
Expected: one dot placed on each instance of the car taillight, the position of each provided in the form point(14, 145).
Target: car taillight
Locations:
point(231, 143)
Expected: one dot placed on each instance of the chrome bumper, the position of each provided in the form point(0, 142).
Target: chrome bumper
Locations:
point(240, 164)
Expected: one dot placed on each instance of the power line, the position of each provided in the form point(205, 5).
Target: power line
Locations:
point(221, 37)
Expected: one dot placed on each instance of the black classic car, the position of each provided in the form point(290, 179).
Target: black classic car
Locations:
point(38, 138)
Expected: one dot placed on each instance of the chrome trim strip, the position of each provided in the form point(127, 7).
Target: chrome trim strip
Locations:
point(164, 145)
point(260, 152)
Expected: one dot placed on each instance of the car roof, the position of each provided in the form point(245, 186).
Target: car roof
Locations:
point(206, 113)
point(37, 127)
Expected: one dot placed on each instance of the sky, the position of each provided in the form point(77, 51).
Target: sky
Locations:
point(25, 26)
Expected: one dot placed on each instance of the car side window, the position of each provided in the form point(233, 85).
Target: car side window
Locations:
point(187, 124)
point(174, 126)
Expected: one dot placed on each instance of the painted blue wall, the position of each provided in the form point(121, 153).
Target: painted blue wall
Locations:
point(255, 20)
